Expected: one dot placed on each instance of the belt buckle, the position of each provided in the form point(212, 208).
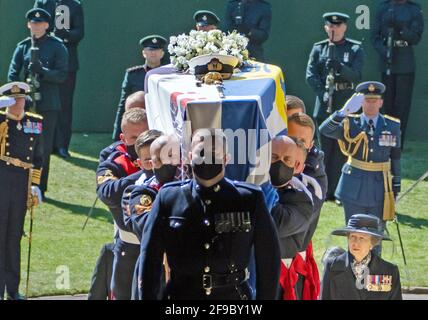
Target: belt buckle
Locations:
point(207, 281)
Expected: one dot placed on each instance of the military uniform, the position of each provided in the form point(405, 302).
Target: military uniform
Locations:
point(350, 56)
point(21, 160)
point(370, 279)
point(71, 38)
point(405, 20)
point(134, 80)
point(54, 67)
point(366, 185)
point(207, 234)
point(204, 18)
point(253, 19)
point(292, 216)
point(113, 176)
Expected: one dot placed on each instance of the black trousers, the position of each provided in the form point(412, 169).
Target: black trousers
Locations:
point(125, 258)
point(64, 129)
point(13, 206)
point(101, 278)
point(50, 120)
point(398, 98)
point(333, 160)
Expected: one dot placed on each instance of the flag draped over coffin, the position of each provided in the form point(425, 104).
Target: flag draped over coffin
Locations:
point(252, 112)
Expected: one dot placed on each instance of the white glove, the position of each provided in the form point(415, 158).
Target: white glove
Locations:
point(353, 104)
point(307, 180)
point(6, 102)
point(37, 195)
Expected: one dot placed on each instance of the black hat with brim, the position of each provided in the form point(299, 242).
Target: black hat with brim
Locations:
point(362, 223)
point(335, 17)
point(153, 42)
point(38, 15)
point(205, 18)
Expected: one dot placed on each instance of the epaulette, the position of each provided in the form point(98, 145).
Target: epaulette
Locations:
point(249, 186)
point(392, 118)
point(24, 41)
point(354, 41)
point(2, 112)
point(177, 183)
point(136, 68)
point(56, 39)
point(321, 42)
point(34, 115)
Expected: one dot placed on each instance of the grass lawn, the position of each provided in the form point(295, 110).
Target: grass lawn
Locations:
point(63, 256)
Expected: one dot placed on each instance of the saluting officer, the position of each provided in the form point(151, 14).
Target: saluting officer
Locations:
point(252, 18)
point(21, 160)
point(398, 27)
point(371, 177)
point(206, 20)
point(50, 69)
point(360, 274)
point(71, 29)
point(153, 52)
point(207, 227)
point(340, 58)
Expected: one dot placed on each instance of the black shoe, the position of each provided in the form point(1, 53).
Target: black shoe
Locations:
point(16, 297)
point(63, 153)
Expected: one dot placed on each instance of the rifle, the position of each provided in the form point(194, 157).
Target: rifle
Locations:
point(329, 82)
point(34, 79)
point(389, 43)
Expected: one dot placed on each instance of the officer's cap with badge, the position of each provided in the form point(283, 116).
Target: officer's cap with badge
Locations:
point(15, 90)
point(153, 42)
point(38, 15)
point(335, 17)
point(205, 18)
point(371, 89)
point(362, 223)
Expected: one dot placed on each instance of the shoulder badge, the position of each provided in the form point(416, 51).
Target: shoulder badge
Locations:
point(136, 68)
point(145, 204)
point(392, 118)
point(354, 41)
point(108, 175)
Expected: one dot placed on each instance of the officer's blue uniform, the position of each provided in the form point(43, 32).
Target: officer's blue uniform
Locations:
point(71, 39)
point(207, 234)
point(362, 191)
point(20, 140)
point(253, 19)
point(137, 202)
point(350, 54)
point(134, 80)
point(407, 23)
point(54, 59)
point(113, 176)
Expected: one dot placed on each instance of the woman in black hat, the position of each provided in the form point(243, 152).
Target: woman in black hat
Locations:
point(359, 274)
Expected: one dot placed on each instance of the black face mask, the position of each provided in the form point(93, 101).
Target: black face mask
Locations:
point(130, 150)
point(280, 174)
point(208, 171)
point(148, 173)
point(166, 173)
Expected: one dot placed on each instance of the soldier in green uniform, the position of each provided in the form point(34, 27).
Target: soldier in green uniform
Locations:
point(21, 159)
point(253, 19)
point(50, 69)
point(397, 28)
point(72, 32)
point(153, 52)
point(341, 60)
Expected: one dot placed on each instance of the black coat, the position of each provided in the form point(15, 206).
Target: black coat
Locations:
point(339, 282)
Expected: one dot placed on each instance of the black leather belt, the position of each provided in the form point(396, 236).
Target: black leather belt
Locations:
point(211, 281)
point(344, 86)
point(401, 43)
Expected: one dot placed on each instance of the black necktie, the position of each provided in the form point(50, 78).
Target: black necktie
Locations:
point(371, 127)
